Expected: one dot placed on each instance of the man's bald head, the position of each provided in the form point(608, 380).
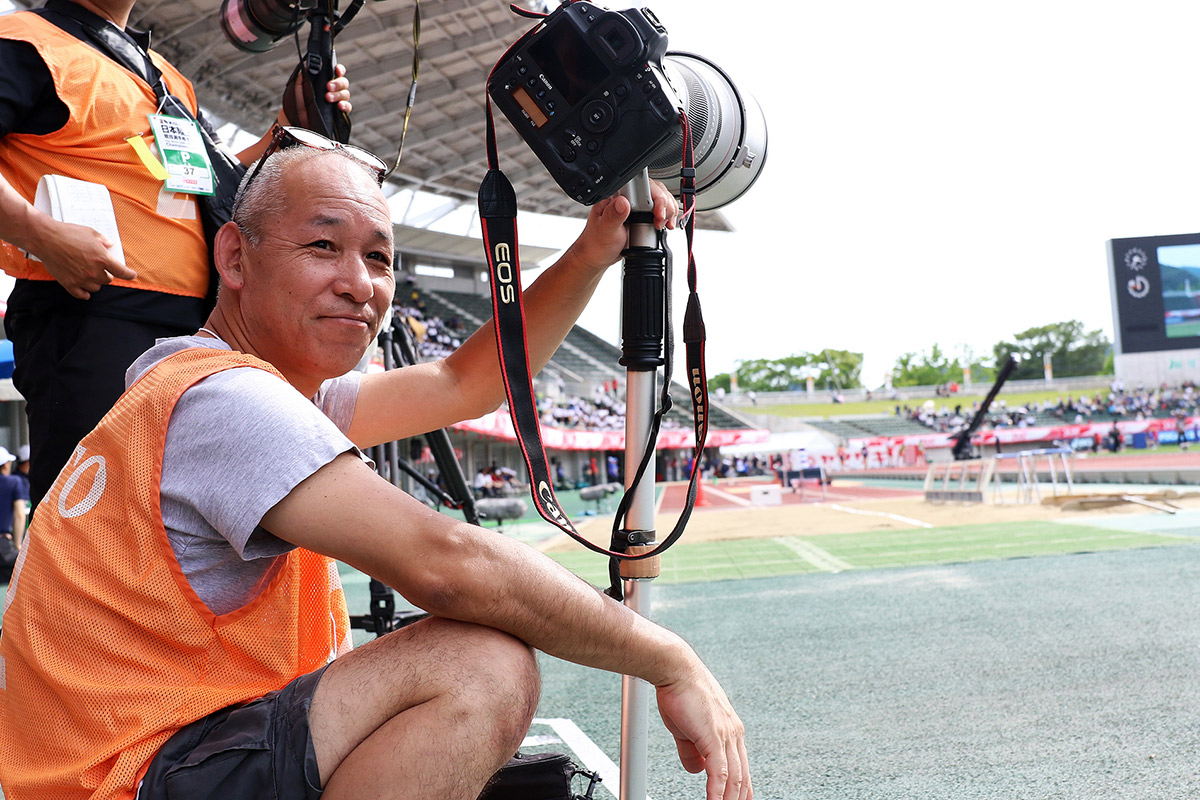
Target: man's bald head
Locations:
point(263, 199)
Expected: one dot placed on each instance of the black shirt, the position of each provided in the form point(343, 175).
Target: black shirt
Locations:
point(28, 101)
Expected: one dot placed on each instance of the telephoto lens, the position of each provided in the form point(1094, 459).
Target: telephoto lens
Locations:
point(729, 132)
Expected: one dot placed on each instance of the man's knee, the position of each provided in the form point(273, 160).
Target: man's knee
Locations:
point(504, 667)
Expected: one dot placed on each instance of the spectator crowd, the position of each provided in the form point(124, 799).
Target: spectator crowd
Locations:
point(1118, 403)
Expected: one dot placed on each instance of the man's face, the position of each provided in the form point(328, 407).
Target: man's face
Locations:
point(319, 283)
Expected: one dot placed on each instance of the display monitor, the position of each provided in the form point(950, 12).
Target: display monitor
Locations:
point(1155, 283)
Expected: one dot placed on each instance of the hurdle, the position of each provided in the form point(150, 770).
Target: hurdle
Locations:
point(1028, 483)
point(795, 479)
point(969, 477)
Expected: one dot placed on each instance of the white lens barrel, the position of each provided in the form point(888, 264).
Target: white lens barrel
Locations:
point(729, 132)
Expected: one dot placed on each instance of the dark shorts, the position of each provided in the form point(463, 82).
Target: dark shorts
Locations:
point(261, 750)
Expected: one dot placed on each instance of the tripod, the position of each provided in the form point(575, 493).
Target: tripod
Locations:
point(399, 350)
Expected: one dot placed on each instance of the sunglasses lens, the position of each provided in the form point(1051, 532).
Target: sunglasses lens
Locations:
point(365, 156)
point(286, 137)
point(309, 138)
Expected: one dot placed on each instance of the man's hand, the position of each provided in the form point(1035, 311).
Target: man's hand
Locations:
point(336, 91)
point(294, 111)
point(708, 735)
point(79, 258)
point(605, 235)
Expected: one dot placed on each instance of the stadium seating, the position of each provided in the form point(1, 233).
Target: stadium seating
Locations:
point(584, 359)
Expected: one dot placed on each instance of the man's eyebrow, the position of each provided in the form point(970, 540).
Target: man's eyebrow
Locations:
point(332, 220)
point(326, 220)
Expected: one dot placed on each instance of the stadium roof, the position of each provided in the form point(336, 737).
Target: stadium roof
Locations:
point(444, 150)
point(421, 242)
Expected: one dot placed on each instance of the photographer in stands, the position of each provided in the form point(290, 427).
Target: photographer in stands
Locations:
point(172, 624)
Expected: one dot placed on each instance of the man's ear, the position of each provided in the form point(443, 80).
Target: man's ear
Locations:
point(228, 246)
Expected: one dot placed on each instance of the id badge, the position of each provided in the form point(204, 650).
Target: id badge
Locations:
point(183, 154)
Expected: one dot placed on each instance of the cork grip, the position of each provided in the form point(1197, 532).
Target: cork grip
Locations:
point(646, 568)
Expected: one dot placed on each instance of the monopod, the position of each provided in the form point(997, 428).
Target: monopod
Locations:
point(642, 323)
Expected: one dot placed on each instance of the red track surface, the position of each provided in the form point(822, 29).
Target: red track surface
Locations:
point(730, 494)
point(1150, 460)
point(734, 493)
point(1082, 462)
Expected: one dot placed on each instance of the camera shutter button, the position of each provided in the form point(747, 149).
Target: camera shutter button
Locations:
point(598, 116)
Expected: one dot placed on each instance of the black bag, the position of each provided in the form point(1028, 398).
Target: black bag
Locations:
point(539, 776)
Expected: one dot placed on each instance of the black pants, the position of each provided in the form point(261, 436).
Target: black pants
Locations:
point(70, 368)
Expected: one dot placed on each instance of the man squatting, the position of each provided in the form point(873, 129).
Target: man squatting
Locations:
point(176, 622)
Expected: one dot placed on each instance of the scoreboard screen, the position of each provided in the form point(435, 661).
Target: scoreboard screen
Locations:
point(1155, 282)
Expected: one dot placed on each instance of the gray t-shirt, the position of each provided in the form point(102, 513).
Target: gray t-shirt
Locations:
point(237, 443)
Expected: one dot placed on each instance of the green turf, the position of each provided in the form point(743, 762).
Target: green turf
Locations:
point(825, 409)
point(751, 558)
point(1182, 329)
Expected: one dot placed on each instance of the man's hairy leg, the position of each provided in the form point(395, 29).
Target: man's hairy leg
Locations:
point(429, 711)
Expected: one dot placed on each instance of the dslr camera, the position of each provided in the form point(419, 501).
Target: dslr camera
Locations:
point(598, 98)
point(588, 94)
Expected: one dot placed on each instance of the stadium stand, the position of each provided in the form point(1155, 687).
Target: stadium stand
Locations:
point(583, 360)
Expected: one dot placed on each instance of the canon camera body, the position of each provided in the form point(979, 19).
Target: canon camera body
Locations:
point(588, 94)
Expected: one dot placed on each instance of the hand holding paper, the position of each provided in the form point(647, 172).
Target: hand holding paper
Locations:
point(83, 250)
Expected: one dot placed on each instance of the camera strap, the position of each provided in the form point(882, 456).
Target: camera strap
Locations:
point(498, 212)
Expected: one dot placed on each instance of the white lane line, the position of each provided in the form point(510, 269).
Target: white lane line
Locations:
point(537, 739)
point(897, 517)
point(586, 750)
point(819, 558)
point(731, 498)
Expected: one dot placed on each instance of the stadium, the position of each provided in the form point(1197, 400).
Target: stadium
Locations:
point(889, 620)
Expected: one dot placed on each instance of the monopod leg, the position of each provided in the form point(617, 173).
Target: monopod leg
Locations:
point(642, 324)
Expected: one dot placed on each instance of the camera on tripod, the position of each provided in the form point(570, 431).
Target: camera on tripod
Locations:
point(598, 98)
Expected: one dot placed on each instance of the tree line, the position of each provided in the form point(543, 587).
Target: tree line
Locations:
point(1072, 351)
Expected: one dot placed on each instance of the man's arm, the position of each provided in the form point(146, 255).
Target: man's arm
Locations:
point(461, 572)
point(467, 383)
point(76, 256)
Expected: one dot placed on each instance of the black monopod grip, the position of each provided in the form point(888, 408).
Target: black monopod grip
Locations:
point(642, 309)
point(318, 66)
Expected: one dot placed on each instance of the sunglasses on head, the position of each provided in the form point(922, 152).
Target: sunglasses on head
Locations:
point(284, 137)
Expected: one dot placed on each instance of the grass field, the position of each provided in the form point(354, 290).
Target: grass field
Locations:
point(884, 406)
point(794, 555)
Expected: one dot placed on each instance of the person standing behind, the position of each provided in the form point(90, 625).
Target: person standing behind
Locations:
point(14, 500)
point(21, 473)
point(78, 316)
point(22, 470)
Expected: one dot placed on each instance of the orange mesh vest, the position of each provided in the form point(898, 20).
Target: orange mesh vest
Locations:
point(106, 650)
point(161, 232)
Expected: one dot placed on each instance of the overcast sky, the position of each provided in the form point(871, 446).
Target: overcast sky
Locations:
point(941, 172)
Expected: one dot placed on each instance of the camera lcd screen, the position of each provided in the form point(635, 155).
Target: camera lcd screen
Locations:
point(531, 108)
point(568, 62)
